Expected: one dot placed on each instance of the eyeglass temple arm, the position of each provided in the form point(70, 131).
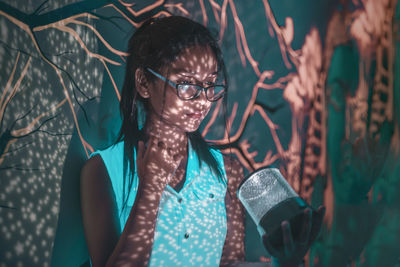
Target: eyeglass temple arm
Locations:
point(161, 77)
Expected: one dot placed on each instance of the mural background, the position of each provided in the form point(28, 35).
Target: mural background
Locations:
point(313, 91)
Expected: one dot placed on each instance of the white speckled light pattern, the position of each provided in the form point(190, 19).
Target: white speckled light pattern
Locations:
point(191, 225)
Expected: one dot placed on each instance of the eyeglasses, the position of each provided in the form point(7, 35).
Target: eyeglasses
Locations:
point(187, 91)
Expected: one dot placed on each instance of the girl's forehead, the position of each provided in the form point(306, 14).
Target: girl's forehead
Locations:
point(196, 59)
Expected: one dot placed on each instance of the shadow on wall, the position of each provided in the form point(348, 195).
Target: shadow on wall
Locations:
point(69, 245)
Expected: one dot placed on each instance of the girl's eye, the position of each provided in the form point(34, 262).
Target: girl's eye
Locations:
point(209, 83)
point(184, 82)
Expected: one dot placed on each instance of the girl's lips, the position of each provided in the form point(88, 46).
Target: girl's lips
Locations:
point(196, 115)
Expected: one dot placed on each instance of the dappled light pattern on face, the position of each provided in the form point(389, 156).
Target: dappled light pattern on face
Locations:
point(195, 65)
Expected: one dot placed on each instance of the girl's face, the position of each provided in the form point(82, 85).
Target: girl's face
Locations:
point(195, 65)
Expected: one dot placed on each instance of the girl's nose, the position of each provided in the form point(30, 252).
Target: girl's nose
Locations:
point(202, 97)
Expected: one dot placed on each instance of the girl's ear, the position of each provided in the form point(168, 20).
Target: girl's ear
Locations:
point(142, 85)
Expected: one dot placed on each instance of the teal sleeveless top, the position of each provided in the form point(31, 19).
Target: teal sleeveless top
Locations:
point(191, 224)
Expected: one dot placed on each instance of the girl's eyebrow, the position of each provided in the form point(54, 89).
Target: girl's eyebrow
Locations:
point(187, 73)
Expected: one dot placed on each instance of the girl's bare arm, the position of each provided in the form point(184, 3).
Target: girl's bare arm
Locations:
point(99, 211)
point(234, 243)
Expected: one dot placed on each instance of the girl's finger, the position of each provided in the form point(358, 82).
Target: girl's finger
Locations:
point(154, 146)
point(318, 218)
point(321, 211)
point(306, 227)
point(288, 242)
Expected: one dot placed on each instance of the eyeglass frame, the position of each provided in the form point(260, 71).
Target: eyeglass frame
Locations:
point(173, 84)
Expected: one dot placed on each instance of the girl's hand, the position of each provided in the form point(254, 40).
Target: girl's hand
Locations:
point(294, 251)
point(156, 163)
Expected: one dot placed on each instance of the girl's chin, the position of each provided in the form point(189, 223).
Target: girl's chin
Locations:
point(191, 129)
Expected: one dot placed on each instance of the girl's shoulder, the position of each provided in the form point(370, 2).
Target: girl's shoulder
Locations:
point(110, 151)
point(113, 158)
point(98, 168)
point(107, 168)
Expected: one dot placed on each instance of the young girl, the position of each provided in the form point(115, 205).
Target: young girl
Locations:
point(158, 196)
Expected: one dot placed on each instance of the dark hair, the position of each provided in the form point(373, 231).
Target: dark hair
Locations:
point(156, 43)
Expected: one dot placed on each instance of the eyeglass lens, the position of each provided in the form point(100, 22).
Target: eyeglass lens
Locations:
point(190, 91)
